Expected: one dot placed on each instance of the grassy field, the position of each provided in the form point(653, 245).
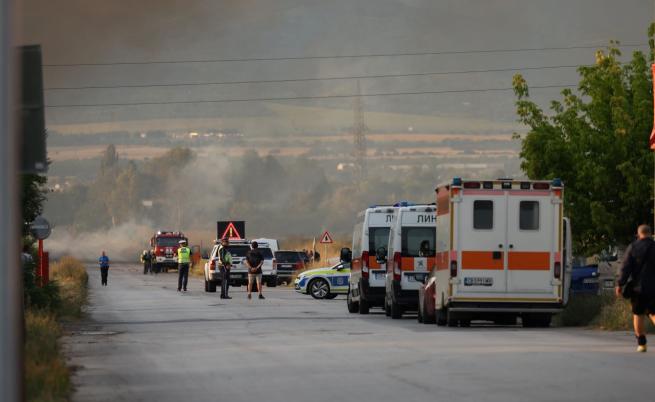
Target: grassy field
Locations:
point(47, 378)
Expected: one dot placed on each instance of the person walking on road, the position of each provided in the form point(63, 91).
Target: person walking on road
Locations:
point(254, 260)
point(103, 261)
point(637, 282)
point(183, 261)
point(224, 266)
point(146, 259)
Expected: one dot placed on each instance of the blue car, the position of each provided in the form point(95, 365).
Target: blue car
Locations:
point(584, 279)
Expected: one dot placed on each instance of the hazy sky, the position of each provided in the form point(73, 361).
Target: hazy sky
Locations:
point(92, 31)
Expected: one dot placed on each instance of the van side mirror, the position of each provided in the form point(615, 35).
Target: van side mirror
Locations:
point(381, 255)
point(346, 255)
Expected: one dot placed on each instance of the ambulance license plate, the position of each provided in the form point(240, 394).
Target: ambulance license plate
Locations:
point(416, 278)
point(380, 275)
point(478, 281)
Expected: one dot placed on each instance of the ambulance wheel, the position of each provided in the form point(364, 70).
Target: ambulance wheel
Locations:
point(364, 307)
point(428, 318)
point(441, 318)
point(353, 307)
point(206, 286)
point(211, 287)
point(451, 320)
point(536, 320)
point(419, 315)
point(319, 288)
point(464, 323)
point(271, 283)
point(387, 309)
point(396, 310)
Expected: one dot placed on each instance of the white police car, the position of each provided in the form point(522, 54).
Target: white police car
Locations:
point(324, 283)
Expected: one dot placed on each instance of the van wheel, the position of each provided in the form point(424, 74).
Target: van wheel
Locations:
point(319, 288)
point(271, 283)
point(211, 287)
point(396, 310)
point(419, 315)
point(206, 286)
point(387, 309)
point(353, 307)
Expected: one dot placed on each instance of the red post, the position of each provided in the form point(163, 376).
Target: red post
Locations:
point(40, 280)
point(46, 268)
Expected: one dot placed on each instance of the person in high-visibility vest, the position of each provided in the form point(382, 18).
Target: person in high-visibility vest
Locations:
point(183, 261)
point(224, 265)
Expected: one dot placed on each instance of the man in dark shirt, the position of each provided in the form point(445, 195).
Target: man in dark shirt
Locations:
point(639, 267)
point(254, 261)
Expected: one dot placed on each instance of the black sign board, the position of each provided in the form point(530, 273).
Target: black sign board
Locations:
point(32, 118)
point(231, 229)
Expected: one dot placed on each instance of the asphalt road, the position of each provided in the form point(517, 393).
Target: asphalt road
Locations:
point(144, 341)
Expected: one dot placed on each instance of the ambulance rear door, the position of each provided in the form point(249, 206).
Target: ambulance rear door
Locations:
point(532, 241)
point(481, 219)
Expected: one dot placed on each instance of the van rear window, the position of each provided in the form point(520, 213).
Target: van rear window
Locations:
point(377, 237)
point(418, 241)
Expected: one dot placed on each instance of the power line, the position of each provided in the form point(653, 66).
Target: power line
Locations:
point(82, 105)
point(352, 56)
point(355, 77)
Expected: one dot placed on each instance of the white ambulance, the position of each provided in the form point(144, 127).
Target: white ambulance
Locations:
point(410, 256)
point(367, 275)
point(503, 251)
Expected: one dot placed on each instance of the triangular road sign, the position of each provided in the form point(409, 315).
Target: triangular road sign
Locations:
point(326, 238)
point(231, 232)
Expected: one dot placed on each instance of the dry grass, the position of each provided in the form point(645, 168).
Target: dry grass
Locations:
point(70, 275)
point(47, 378)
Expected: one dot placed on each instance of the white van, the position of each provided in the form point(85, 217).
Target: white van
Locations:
point(503, 251)
point(239, 272)
point(367, 276)
point(410, 256)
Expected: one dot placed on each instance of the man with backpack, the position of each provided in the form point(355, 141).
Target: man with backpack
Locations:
point(254, 261)
point(637, 282)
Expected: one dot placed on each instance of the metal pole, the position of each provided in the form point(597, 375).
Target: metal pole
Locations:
point(11, 321)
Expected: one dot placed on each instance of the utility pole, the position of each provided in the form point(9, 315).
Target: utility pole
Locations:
point(359, 136)
point(11, 322)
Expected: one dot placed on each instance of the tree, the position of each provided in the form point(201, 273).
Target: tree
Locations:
point(33, 195)
point(596, 140)
point(109, 158)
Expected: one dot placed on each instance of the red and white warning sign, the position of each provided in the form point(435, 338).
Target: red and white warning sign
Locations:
point(326, 238)
point(231, 232)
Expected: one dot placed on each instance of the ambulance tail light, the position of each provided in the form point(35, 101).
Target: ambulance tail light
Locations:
point(365, 264)
point(396, 266)
point(557, 270)
point(541, 186)
point(453, 269)
point(472, 184)
point(212, 265)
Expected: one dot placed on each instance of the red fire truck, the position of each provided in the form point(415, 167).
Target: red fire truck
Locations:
point(165, 244)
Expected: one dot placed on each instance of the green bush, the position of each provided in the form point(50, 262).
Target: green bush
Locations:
point(581, 310)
